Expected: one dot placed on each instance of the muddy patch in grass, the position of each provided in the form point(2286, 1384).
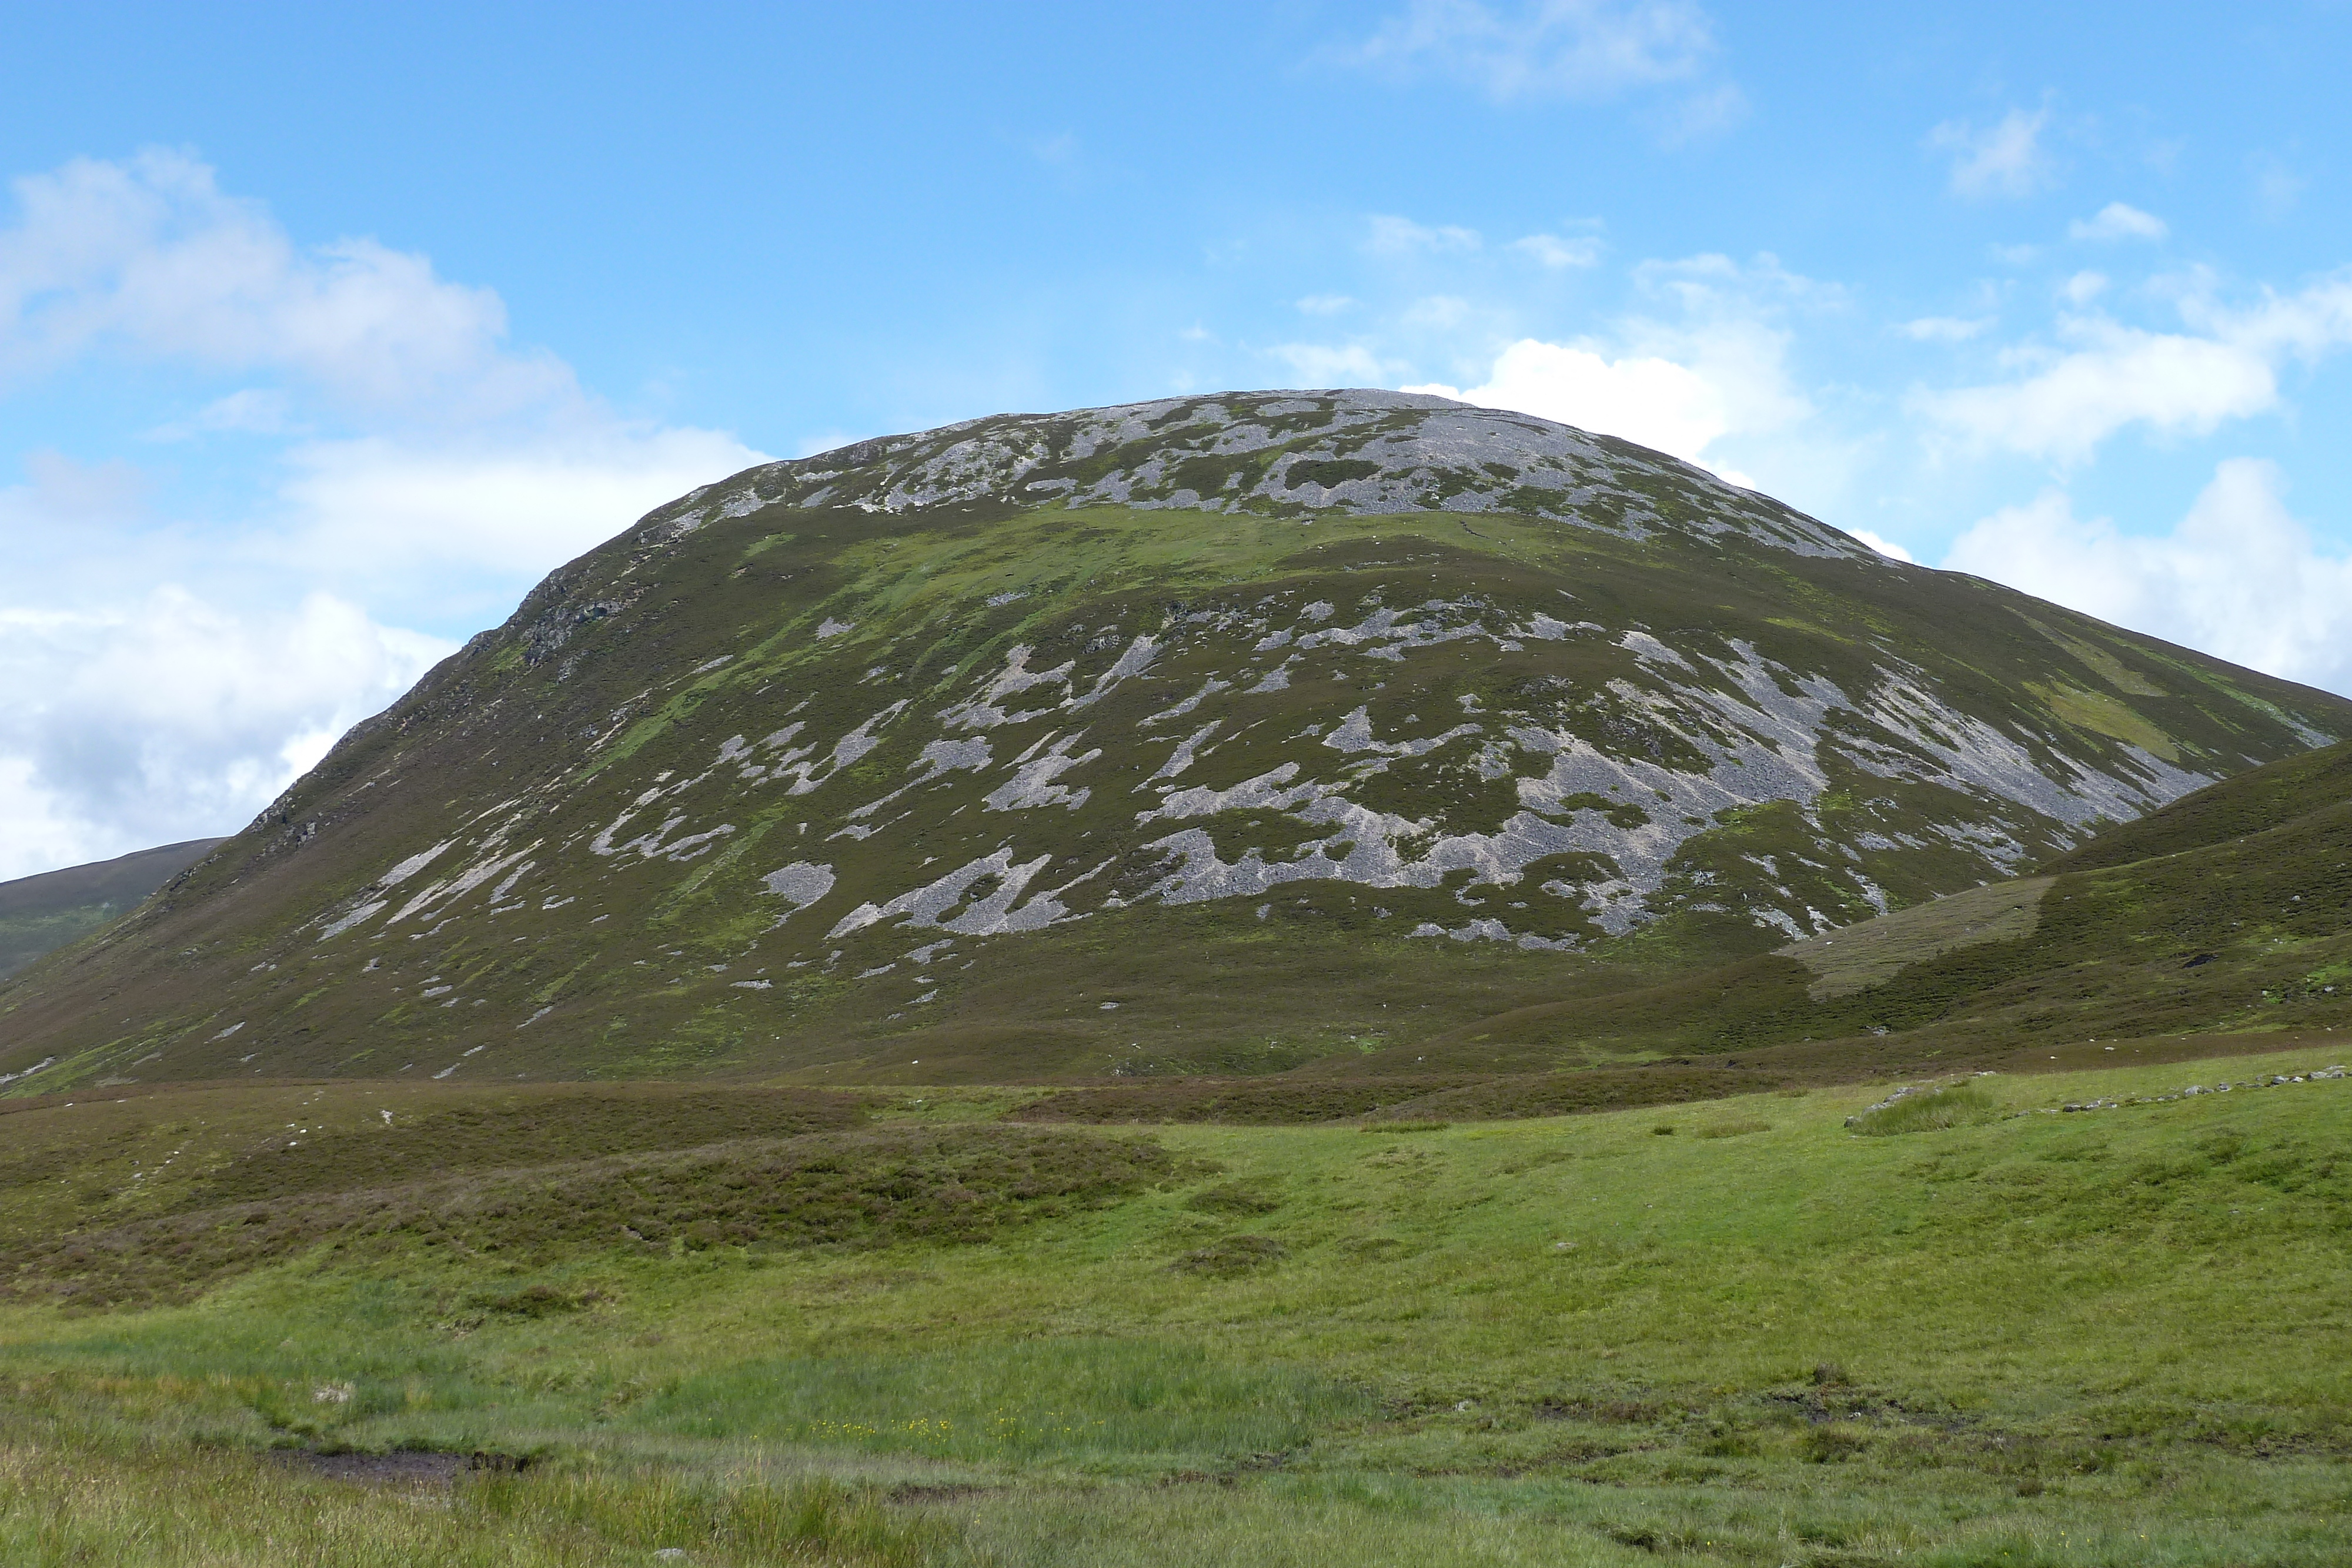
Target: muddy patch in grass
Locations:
point(399, 1467)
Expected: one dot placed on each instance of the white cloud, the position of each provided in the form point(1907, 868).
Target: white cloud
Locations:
point(1393, 236)
point(1711, 368)
point(175, 718)
point(1945, 328)
point(1571, 49)
point(2117, 376)
point(2305, 325)
point(2116, 221)
point(1554, 252)
point(514, 509)
point(826, 441)
point(166, 675)
point(2112, 376)
point(256, 411)
point(2239, 577)
point(66, 494)
point(1325, 304)
point(1649, 401)
point(2084, 287)
point(1329, 365)
point(149, 259)
point(2006, 159)
point(1885, 546)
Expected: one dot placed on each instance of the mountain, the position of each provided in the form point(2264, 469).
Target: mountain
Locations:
point(1236, 734)
point(41, 914)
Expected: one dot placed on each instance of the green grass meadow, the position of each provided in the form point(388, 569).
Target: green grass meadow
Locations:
point(1982, 1332)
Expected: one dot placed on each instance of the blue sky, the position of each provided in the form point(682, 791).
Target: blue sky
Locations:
point(325, 332)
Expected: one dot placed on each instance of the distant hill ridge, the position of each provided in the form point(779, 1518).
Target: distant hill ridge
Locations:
point(42, 912)
point(1231, 734)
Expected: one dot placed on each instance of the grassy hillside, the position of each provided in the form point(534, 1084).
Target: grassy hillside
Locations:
point(1971, 1329)
point(40, 914)
point(1028, 748)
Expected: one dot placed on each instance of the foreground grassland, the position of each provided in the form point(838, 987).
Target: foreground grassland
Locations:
point(1737, 1332)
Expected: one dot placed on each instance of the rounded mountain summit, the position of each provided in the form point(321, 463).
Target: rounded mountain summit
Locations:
point(1264, 731)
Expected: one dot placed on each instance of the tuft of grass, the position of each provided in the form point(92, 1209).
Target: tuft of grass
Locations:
point(1233, 1256)
point(1933, 1111)
point(536, 1301)
point(1235, 1197)
point(1738, 1127)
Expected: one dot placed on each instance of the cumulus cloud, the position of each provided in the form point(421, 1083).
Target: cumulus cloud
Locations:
point(1885, 546)
point(1946, 328)
point(2114, 376)
point(1644, 399)
point(2239, 577)
point(404, 465)
point(2306, 324)
point(175, 718)
point(1554, 252)
point(255, 411)
point(2004, 159)
point(2110, 375)
point(1392, 235)
point(1567, 48)
point(62, 492)
point(151, 258)
point(1332, 365)
point(378, 504)
point(2116, 221)
point(2084, 287)
point(1710, 365)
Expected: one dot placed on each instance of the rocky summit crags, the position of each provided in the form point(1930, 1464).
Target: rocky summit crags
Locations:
point(1227, 734)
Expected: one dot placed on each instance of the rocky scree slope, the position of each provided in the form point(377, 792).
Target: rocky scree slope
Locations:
point(1216, 734)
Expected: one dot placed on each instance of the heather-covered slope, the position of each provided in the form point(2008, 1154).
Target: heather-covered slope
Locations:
point(1222, 734)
